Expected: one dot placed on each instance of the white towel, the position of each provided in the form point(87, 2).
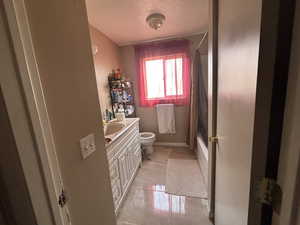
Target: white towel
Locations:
point(166, 118)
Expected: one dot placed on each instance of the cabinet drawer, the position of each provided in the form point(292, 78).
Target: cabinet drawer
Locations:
point(115, 148)
point(130, 138)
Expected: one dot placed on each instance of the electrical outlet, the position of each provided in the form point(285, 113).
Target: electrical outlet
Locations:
point(87, 145)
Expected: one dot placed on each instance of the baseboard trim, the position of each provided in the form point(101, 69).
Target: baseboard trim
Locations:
point(171, 144)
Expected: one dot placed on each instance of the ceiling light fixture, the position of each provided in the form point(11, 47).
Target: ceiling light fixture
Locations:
point(155, 20)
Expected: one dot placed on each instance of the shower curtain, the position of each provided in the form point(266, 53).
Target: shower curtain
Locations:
point(203, 106)
point(194, 103)
point(199, 104)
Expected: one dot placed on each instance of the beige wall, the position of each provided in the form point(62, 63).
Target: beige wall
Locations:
point(105, 60)
point(148, 114)
point(62, 42)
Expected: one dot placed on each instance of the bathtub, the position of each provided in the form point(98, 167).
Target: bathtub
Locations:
point(202, 155)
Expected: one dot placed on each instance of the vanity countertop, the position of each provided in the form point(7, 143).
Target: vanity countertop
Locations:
point(128, 123)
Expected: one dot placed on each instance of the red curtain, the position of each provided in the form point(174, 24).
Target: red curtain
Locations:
point(164, 51)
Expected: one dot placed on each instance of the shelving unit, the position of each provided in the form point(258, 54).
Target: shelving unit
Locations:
point(121, 94)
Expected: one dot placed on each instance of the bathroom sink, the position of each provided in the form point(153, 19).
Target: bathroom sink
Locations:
point(112, 128)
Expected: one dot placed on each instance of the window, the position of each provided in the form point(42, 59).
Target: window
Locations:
point(164, 77)
point(163, 71)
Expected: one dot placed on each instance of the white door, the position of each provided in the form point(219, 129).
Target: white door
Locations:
point(238, 49)
point(30, 82)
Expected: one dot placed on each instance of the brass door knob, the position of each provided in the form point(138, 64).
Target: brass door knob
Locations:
point(213, 139)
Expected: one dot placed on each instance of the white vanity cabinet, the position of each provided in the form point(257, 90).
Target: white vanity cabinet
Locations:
point(124, 157)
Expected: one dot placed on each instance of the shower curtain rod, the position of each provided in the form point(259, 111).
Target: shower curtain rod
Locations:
point(202, 40)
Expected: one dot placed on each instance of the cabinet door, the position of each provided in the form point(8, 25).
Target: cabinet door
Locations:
point(114, 171)
point(117, 192)
point(131, 158)
point(129, 163)
point(137, 155)
point(123, 170)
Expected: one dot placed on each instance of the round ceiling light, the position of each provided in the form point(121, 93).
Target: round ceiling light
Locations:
point(155, 20)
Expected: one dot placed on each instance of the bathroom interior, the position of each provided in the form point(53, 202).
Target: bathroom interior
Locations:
point(151, 69)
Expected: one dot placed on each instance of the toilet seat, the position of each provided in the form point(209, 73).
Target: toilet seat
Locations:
point(147, 135)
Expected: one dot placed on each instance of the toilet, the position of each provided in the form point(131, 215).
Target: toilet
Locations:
point(147, 140)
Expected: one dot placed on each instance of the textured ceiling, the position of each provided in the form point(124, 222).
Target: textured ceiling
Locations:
point(123, 21)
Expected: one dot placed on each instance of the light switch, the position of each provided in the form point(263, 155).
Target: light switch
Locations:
point(87, 145)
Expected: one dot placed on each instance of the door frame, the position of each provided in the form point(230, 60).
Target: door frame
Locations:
point(31, 86)
point(281, 72)
point(212, 101)
point(277, 19)
point(289, 163)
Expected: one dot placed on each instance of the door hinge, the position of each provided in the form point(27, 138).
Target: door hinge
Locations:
point(270, 193)
point(62, 199)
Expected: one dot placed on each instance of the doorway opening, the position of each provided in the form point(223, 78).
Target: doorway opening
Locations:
point(148, 157)
point(155, 82)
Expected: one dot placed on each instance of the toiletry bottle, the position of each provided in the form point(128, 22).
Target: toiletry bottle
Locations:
point(118, 74)
point(107, 117)
point(113, 74)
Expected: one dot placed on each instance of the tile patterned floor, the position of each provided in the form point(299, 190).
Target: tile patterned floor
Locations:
point(147, 203)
